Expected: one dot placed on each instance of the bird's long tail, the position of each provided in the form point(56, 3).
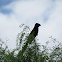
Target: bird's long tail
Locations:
point(29, 41)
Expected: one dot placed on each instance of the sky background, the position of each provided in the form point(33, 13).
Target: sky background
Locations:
point(13, 13)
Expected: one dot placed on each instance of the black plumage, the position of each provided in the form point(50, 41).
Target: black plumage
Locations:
point(35, 30)
point(33, 33)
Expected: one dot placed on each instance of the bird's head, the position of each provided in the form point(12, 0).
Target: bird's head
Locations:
point(37, 24)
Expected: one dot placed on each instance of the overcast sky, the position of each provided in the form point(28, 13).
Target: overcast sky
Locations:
point(16, 12)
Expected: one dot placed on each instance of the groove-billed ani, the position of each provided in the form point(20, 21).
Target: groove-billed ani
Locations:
point(33, 33)
point(31, 37)
point(35, 30)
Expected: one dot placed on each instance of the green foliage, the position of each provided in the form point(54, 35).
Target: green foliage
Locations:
point(31, 52)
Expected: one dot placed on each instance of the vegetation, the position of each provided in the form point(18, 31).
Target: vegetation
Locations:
point(33, 53)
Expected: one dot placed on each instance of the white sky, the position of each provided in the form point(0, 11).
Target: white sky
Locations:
point(46, 12)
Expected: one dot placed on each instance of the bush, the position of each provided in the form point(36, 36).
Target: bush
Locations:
point(32, 53)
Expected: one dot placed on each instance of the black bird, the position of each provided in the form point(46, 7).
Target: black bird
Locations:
point(31, 37)
point(33, 33)
point(35, 30)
